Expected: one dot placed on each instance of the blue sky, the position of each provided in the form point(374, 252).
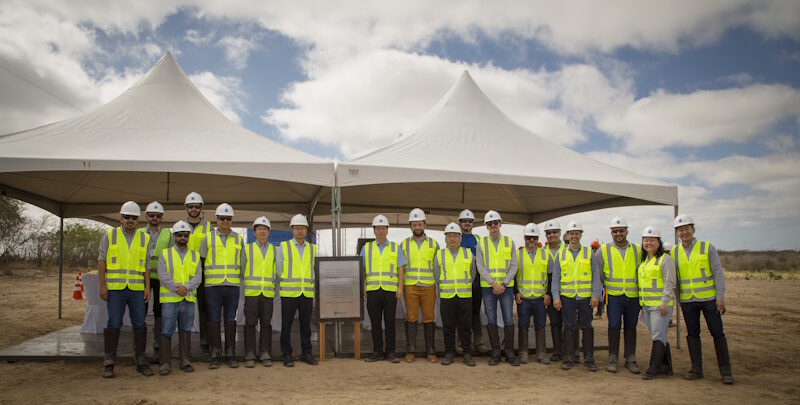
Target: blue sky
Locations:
point(706, 96)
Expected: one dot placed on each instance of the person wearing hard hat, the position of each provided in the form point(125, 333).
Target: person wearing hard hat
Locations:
point(222, 253)
point(160, 239)
point(529, 293)
point(466, 220)
point(552, 231)
point(201, 228)
point(418, 285)
point(701, 292)
point(576, 290)
point(599, 314)
point(454, 269)
point(384, 263)
point(122, 270)
point(294, 262)
point(180, 273)
point(259, 291)
point(656, 276)
point(497, 264)
point(617, 264)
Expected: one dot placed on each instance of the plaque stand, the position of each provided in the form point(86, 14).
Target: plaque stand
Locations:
point(356, 340)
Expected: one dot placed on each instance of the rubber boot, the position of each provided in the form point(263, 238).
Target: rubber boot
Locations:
point(185, 349)
point(448, 358)
point(411, 341)
point(696, 356)
point(265, 345)
point(656, 356)
point(430, 329)
point(110, 344)
point(558, 343)
point(541, 350)
point(523, 346)
point(508, 335)
point(477, 336)
point(156, 359)
point(139, 344)
point(165, 356)
point(666, 362)
point(215, 344)
point(250, 346)
point(613, 350)
point(494, 341)
point(723, 359)
point(576, 338)
point(569, 350)
point(588, 349)
point(205, 345)
point(630, 351)
point(230, 344)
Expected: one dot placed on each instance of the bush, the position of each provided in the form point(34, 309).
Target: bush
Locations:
point(751, 261)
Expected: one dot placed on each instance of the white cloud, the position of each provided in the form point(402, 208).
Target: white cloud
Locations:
point(237, 50)
point(195, 37)
point(224, 92)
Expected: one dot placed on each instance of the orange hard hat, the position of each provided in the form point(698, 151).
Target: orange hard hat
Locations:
point(595, 244)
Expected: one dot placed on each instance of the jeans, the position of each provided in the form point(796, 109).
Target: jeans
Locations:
point(289, 307)
point(180, 314)
point(118, 300)
point(622, 308)
point(382, 306)
point(535, 307)
point(576, 312)
point(506, 306)
point(456, 313)
point(222, 302)
point(691, 315)
point(556, 318)
point(657, 325)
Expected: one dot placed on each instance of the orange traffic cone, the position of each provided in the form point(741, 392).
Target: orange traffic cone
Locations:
point(77, 293)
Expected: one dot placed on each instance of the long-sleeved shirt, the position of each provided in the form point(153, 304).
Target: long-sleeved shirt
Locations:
point(103, 251)
point(597, 286)
point(511, 271)
point(598, 261)
point(166, 279)
point(279, 260)
point(669, 278)
point(203, 251)
point(473, 269)
point(716, 272)
point(401, 257)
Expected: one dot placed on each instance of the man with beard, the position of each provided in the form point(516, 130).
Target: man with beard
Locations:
point(466, 220)
point(160, 239)
point(552, 231)
point(200, 229)
point(419, 285)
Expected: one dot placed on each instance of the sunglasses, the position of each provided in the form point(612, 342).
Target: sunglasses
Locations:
point(531, 237)
point(493, 223)
point(551, 232)
point(181, 234)
point(194, 206)
point(225, 218)
point(469, 221)
point(129, 217)
point(619, 230)
point(155, 215)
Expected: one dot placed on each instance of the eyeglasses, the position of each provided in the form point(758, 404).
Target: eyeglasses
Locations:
point(225, 218)
point(623, 230)
point(551, 232)
point(492, 223)
point(155, 215)
point(130, 217)
point(181, 234)
point(194, 206)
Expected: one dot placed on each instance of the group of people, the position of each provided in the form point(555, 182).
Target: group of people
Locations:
point(561, 281)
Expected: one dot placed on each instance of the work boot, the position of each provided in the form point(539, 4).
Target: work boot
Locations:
point(630, 351)
point(613, 350)
point(249, 346)
point(215, 344)
point(558, 343)
point(230, 344)
point(392, 358)
point(656, 356)
point(508, 334)
point(723, 359)
point(266, 359)
point(523, 346)
point(448, 358)
point(541, 350)
point(430, 330)
point(287, 360)
point(265, 344)
point(588, 349)
point(139, 343)
point(156, 340)
point(459, 349)
point(494, 340)
point(468, 360)
point(696, 356)
point(569, 351)
point(375, 356)
point(110, 343)
point(185, 349)
point(165, 356)
point(576, 345)
point(666, 362)
point(411, 341)
point(309, 359)
point(477, 336)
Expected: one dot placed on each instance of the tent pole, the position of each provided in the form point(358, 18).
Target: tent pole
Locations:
point(677, 299)
point(60, 258)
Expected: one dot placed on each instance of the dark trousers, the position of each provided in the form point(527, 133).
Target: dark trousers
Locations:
point(622, 308)
point(691, 315)
point(532, 307)
point(576, 312)
point(155, 284)
point(289, 307)
point(456, 313)
point(382, 306)
point(202, 312)
point(258, 309)
point(556, 319)
point(222, 302)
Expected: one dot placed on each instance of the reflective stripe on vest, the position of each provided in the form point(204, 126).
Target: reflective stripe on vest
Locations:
point(531, 275)
point(297, 275)
point(162, 242)
point(180, 272)
point(202, 230)
point(381, 267)
point(454, 274)
point(620, 274)
point(651, 283)
point(694, 272)
point(125, 264)
point(419, 261)
point(259, 276)
point(576, 274)
point(496, 260)
point(222, 260)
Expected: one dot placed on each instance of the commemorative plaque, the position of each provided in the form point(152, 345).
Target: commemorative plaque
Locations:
point(340, 288)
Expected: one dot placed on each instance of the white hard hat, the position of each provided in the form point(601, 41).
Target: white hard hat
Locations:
point(262, 220)
point(224, 210)
point(380, 220)
point(651, 231)
point(492, 215)
point(299, 219)
point(154, 207)
point(130, 208)
point(452, 228)
point(574, 226)
point(531, 230)
point(682, 220)
point(181, 226)
point(552, 225)
point(417, 214)
point(193, 198)
point(466, 214)
point(668, 246)
point(618, 222)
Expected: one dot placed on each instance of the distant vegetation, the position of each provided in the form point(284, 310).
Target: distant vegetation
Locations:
point(761, 261)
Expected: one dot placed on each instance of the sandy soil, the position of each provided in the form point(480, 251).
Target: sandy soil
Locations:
point(761, 324)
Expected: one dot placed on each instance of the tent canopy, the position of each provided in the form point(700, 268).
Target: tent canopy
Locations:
point(468, 154)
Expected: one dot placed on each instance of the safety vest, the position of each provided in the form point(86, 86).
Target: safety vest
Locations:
point(125, 264)
point(162, 242)
point(381, 267)
point(576, 274)
point(419, 261)
point(531, 274)
point(180, 270)
point(694, 272)
point(554, 256)
point(620, 274)
point(222, 259)
point(260, 272)
point(297, 274)
point(454, 274)
point(202, 230)
point(496, 260)
point(651, 283)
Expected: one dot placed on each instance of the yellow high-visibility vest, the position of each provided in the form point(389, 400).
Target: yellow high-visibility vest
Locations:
point(620, 274)
point(181, 270)
point(576, 274)
point(496, 259)
point(531, 274)
point(202, 230)
point(297, 274)
point(124, 263)
point(419, 261)
point(381, 267)
point(222, 259)
point(694, 272)
point(259, 276)
point(651, 283)
point(454, 273)
point(162, 242)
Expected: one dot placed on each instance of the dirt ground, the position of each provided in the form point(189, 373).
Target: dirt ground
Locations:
point(761, 323)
